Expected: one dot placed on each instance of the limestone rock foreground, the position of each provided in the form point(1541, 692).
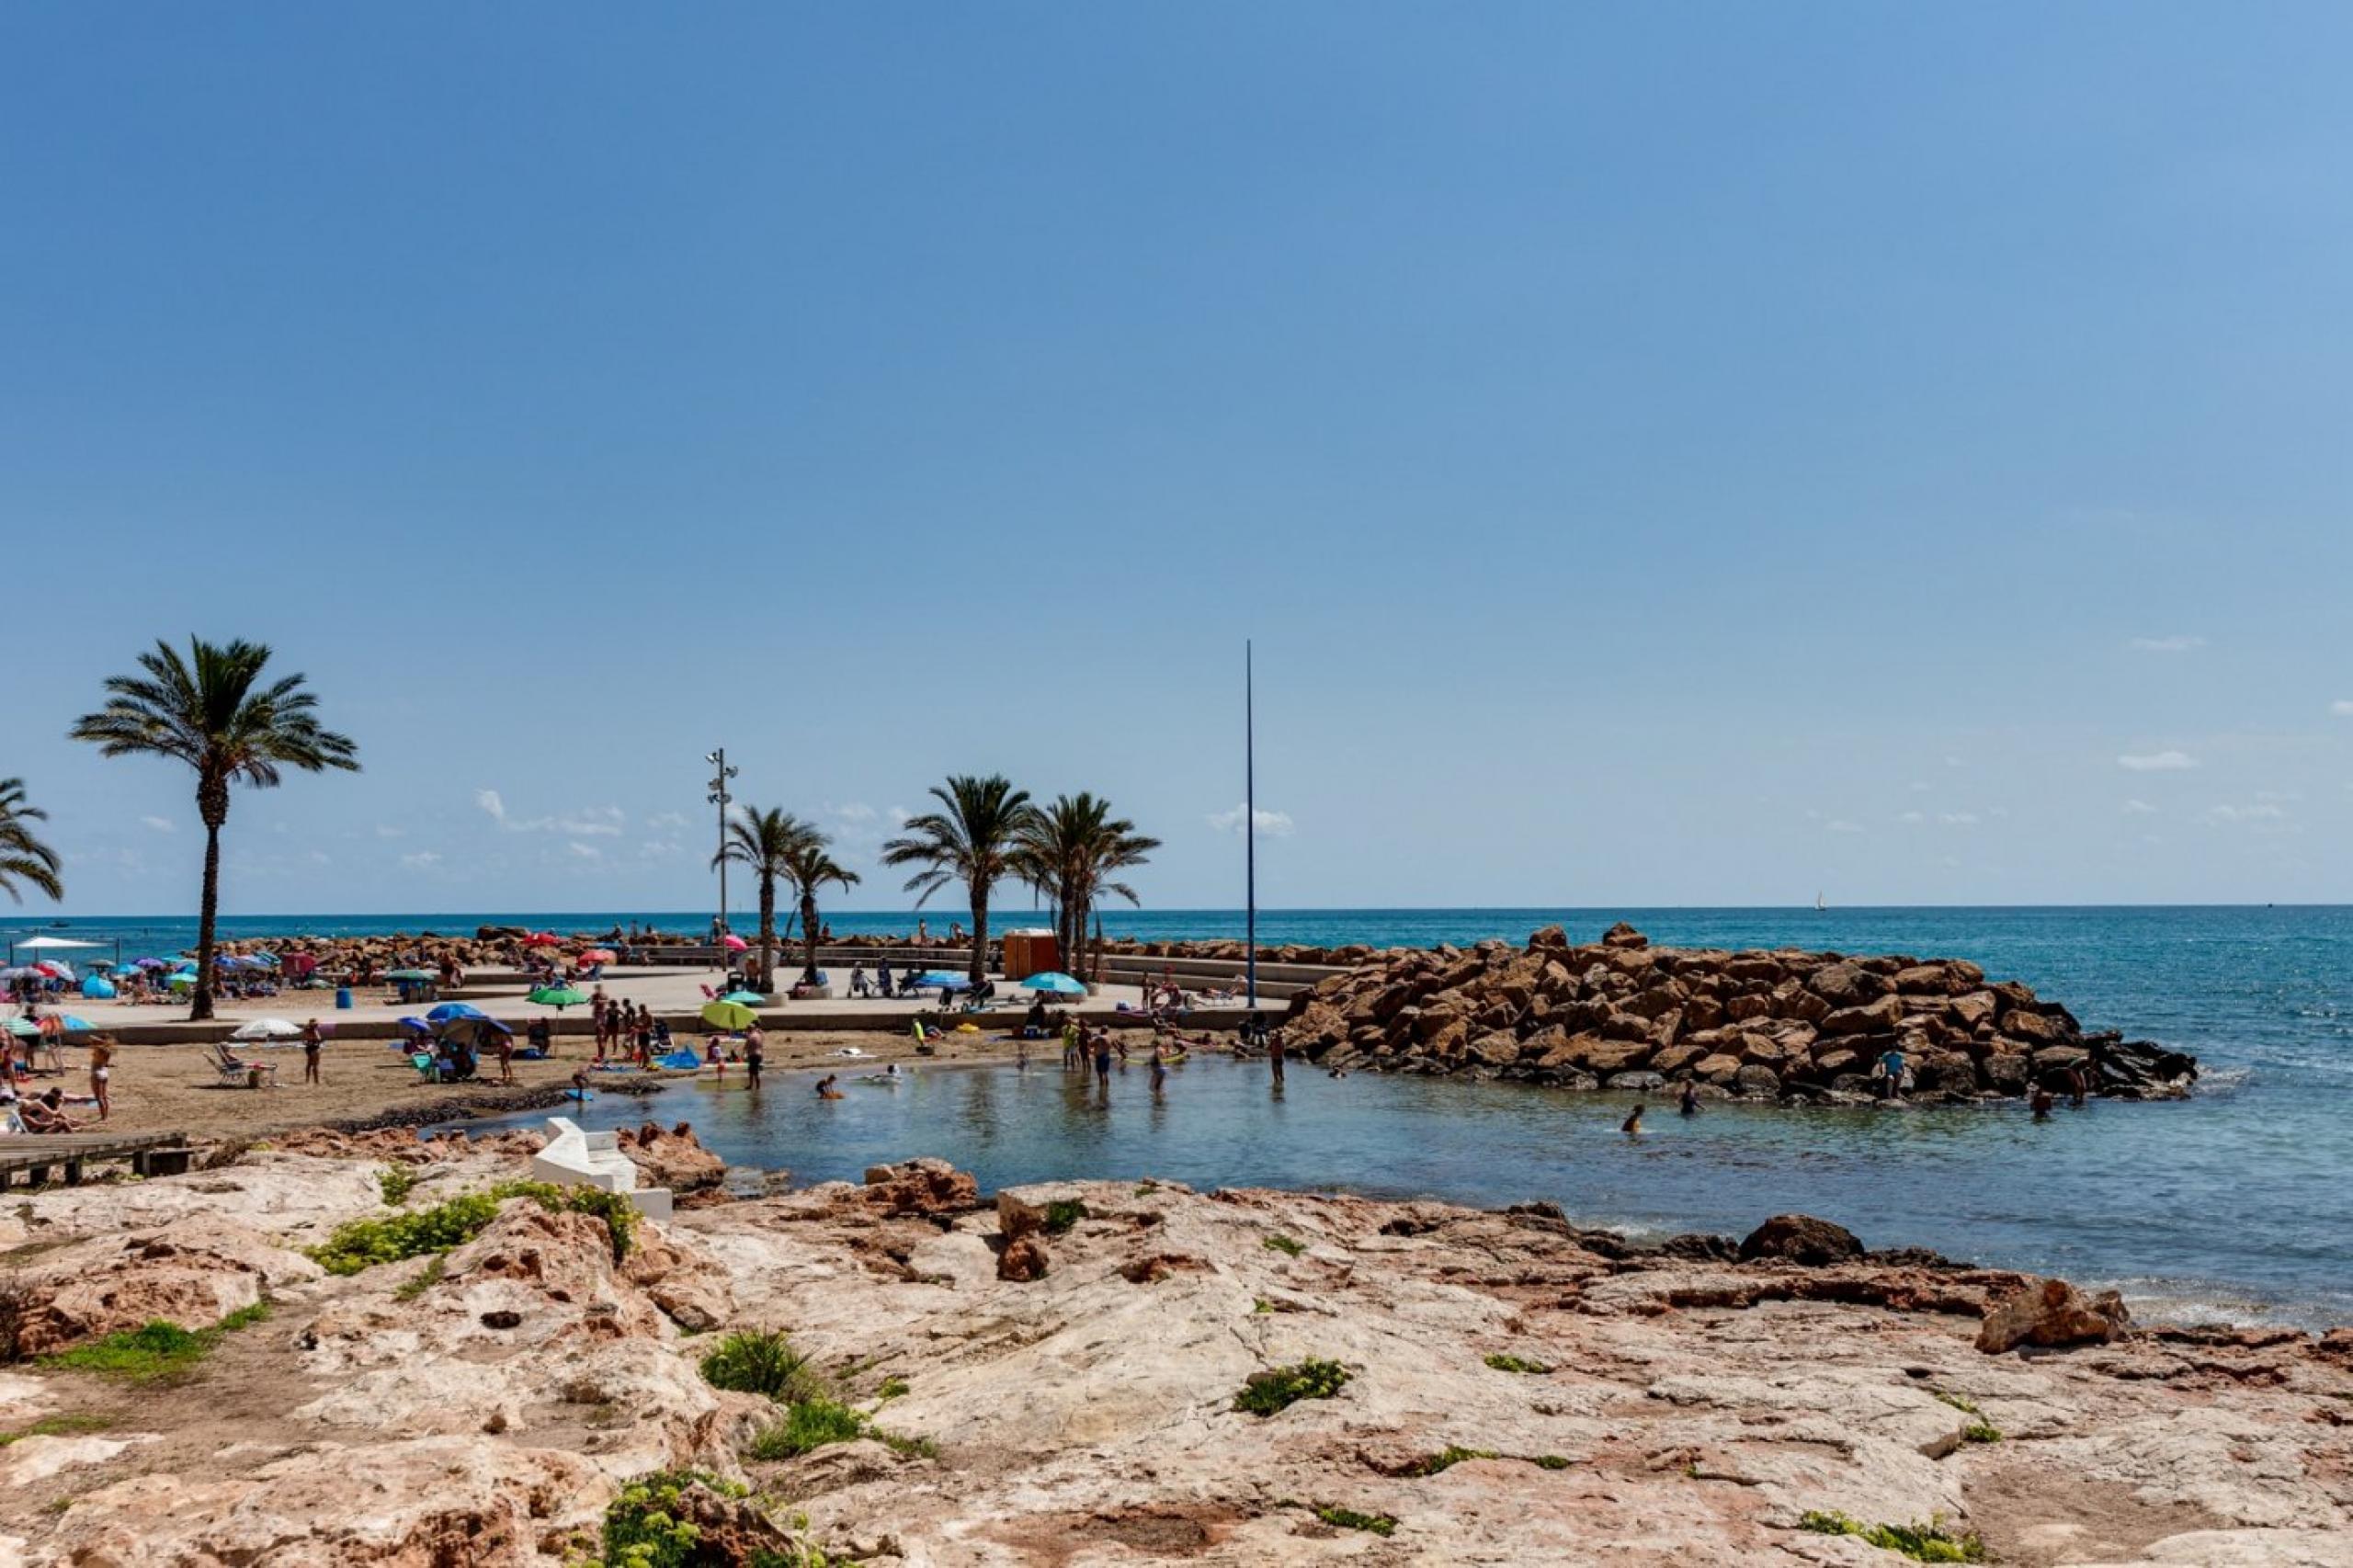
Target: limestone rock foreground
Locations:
point(1485, 1388)
point(1783, 1024)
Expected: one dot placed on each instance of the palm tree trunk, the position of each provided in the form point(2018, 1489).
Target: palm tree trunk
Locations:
point(767, 933)
point(208, 914)
point(808, 935)
point(979, 969)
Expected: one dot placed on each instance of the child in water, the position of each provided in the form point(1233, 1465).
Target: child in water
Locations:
point(1632, 1126)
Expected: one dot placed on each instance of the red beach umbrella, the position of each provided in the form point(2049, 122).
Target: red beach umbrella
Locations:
point(598, 955)
point(734, 943)
point(542, 939)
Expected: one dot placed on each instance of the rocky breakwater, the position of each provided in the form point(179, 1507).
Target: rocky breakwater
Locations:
point(1783, 1024)
point(1093, 1374)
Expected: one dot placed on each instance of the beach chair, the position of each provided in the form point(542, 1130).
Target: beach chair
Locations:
point(236, 1074)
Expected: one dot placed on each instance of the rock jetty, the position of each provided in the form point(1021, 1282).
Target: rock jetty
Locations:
point(1097, 1373)
point(1766, 1025)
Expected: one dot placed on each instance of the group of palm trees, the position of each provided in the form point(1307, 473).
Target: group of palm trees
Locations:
point(984, 832)
point(211, 708)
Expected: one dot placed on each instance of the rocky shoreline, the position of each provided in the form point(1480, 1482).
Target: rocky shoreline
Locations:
point(1093, 1374)
point(1784, 1024)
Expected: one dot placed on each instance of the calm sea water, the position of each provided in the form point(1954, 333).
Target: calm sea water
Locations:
point(2233, 1204)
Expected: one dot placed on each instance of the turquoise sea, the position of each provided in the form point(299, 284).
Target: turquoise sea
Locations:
point(2233, 1204)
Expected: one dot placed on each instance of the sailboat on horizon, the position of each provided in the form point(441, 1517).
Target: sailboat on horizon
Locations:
point(1819, 907)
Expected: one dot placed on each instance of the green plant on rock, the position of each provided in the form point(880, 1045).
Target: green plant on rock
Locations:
point(1349, 1519)
point(1550, 1461)
point(761, 1362)
point(1062, 1213)
point(1923, 1543)
point(65, 1426)
point(396, 1182)
point(362, 1244)
point(1980, 1432)
point(426, 1278)
point(1505, 1363)
point(1960, 1402)
point(156, 1351)
point(806, 1426)
point(1445, 1458)
point(1284, 1245)
point(1266, 1392)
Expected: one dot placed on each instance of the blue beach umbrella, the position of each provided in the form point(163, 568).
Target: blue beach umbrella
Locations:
point(1059, 984)
point(448, 1010)
point(97, 990)
point(743, 998)
point(73, 1023)
point(935, 978)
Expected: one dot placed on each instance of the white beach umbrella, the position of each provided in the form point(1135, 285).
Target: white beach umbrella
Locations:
point(52, 945)
point(267, 1029)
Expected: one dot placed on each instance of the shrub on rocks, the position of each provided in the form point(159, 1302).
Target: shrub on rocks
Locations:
point(1265, 1393)
point(362, 1244)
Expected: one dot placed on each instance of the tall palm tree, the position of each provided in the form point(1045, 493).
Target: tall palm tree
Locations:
point(765, 841)
point(810, 867)
point(972, 839)
point(1073, 854)
point(210, 709)
point(23, 857)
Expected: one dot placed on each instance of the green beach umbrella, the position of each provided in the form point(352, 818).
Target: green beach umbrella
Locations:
point(729, 1014)
point(22, 1030)
point(743, 998)
point(410, 974)
point(559, 995)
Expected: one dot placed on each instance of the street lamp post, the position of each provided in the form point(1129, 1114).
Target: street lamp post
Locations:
point(719, 797)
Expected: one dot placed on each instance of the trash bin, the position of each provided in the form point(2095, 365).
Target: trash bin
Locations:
point(343, 998)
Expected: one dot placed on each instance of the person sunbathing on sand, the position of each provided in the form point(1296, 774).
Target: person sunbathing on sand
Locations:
point(41, 1114)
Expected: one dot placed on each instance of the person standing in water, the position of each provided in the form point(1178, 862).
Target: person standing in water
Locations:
point(1689, 1105)
point(1632, 1126)
point(1103, 1058)
point(755, 1050)
point(1275, 1055)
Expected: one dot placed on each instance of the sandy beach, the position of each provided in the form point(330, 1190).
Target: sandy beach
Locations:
point(176, 1088)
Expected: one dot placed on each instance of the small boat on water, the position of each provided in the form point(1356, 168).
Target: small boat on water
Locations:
point(1819, 907)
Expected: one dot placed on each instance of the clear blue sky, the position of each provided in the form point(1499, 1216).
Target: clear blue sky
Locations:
point(1665, 454)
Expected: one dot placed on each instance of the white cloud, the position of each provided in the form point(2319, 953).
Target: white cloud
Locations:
point(595, 821)
point(2342, 707)
point(857, 810)
point(900, 815)
point(2139, 809)
point(2262, 811)
point(1921, 786)
point(386, 830)
point(666, 819)
point(161, 824)
point(584, 851)
point(1912, 816)
point(2156, 761)
point(1840, 824)
point(2177, 644)
point(421, 859)
point(1271, 825)
point(1958, 819)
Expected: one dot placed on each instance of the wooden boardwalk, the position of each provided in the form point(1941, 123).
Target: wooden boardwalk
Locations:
point(150, 1154)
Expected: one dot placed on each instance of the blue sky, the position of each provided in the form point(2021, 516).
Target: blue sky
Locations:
point(1665, 454)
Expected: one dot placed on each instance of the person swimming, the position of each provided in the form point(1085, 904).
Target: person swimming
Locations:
point(1632, 1126)
point(825, 1089)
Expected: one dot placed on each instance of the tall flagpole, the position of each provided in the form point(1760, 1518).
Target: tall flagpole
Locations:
point(1250, 820)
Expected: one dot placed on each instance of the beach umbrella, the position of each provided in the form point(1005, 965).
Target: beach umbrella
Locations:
point(542, 939)
point(743, 998)
point(732, 1015)
point(1059, 984)
point(936, 979)
point(559, 995)
point(72, 1023)
point(54, 945)
point(734, 943)
point(149, 963)
point(414, 1025)
point(97, 990)
point(410, 974)
point(17, 972)
point(472, 1032)
point(267, 1029)
point(182, 981)
point(22, 1030)
point(448, 1010)
point(598, 955)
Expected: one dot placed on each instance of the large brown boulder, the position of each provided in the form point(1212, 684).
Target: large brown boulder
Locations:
point(2052, 1314)
point(674, 1158)
point(1623, 935)
point(1801, 1239)
point(926, 1187)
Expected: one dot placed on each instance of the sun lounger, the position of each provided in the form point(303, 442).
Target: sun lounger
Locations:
point(243, 1074)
